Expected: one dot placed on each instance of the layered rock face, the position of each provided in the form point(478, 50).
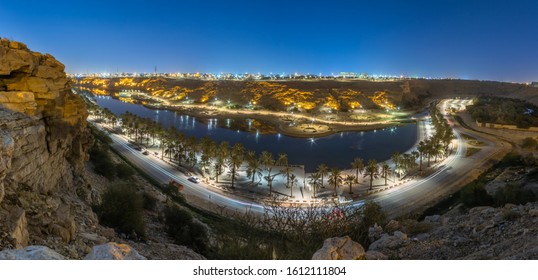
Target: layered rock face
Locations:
point(43, 142)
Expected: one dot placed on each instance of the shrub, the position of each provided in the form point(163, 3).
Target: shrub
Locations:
point(150, 202)
point(510, 215)
point(100, 135)
point(474, 194)
point(121, 208)
point(529, 143)
point(174, 193)
point(182, 228)
point(102, 162)
point(105, 168)
point(124, 171)
point(372, 214)
point(514, 194)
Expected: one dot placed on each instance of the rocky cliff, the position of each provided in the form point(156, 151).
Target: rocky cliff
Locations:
point(43, 143)
point(484, 232)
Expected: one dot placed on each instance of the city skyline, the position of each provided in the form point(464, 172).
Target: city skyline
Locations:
point(452, 39)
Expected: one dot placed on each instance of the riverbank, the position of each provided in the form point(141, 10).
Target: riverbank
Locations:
point(289, 124)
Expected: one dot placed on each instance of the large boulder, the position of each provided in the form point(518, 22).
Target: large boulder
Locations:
point(6, 153)
point(340, 248)
point(393, 226)
point(31, 253)
point(18, 227)
point(113, 251)
point(389, 241)
point(375, 255)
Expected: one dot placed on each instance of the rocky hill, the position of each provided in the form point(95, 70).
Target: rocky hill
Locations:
point(43, 140)
point(485, 232)
point(336, 94)
point(46, 185)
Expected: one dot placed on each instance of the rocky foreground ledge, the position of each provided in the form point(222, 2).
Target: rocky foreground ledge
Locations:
point(108, 251)
point(485, 232)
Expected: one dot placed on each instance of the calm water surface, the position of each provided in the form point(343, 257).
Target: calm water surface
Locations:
point(336, 150)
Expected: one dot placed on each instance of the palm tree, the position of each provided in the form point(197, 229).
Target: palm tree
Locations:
point(286, 170)
point(350, 179)
point(396, 158)
point(429, 149)
point(236, 159)
point(385, 171)
point(207, 148)
point(222, 155)
point(251, 155)
point(421, 149)
point(253, 167)
point(266, 159)
point(358, 165)
point(314, 179)
point(371, 171)
point(447, 138)
point(293, 180)
point(437, 149)
point(335, 178)
point(323, 170)
point(282, 160)
point(219, 162)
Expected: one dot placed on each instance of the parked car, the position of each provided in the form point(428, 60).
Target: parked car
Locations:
point(145, 153)
point(194, 179)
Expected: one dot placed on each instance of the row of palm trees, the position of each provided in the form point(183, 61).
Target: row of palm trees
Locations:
point(336, 177)
point(213, 158)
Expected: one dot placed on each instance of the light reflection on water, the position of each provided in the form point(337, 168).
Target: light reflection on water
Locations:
point(337, 150)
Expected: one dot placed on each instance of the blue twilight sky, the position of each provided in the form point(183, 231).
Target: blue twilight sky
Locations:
point(495, 40)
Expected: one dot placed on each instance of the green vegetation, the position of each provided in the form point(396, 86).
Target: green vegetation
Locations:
point(471, 140)
point(513, 193)
point(292, 232)
point(474, 193)
point(100, 136)
point(529, 143)
point(181, 226)
point(504, 110)
point(173, 192)
point(102, 162)
point(124, 171)
point(150, 202)
point(475, 143)
point(471, 151)
point(122, 209)
point(467, 137)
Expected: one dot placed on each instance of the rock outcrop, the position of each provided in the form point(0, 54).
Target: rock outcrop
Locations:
point(46, 186)
point(340, 248)
point(484, 232)
point(113, 251)
point(31, 253)
point(109, 251)
point(43, 144)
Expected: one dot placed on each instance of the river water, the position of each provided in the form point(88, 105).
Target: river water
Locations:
point(337, 150)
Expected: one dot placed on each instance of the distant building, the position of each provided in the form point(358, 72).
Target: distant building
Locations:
point(534, 84)
point(352, 75)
